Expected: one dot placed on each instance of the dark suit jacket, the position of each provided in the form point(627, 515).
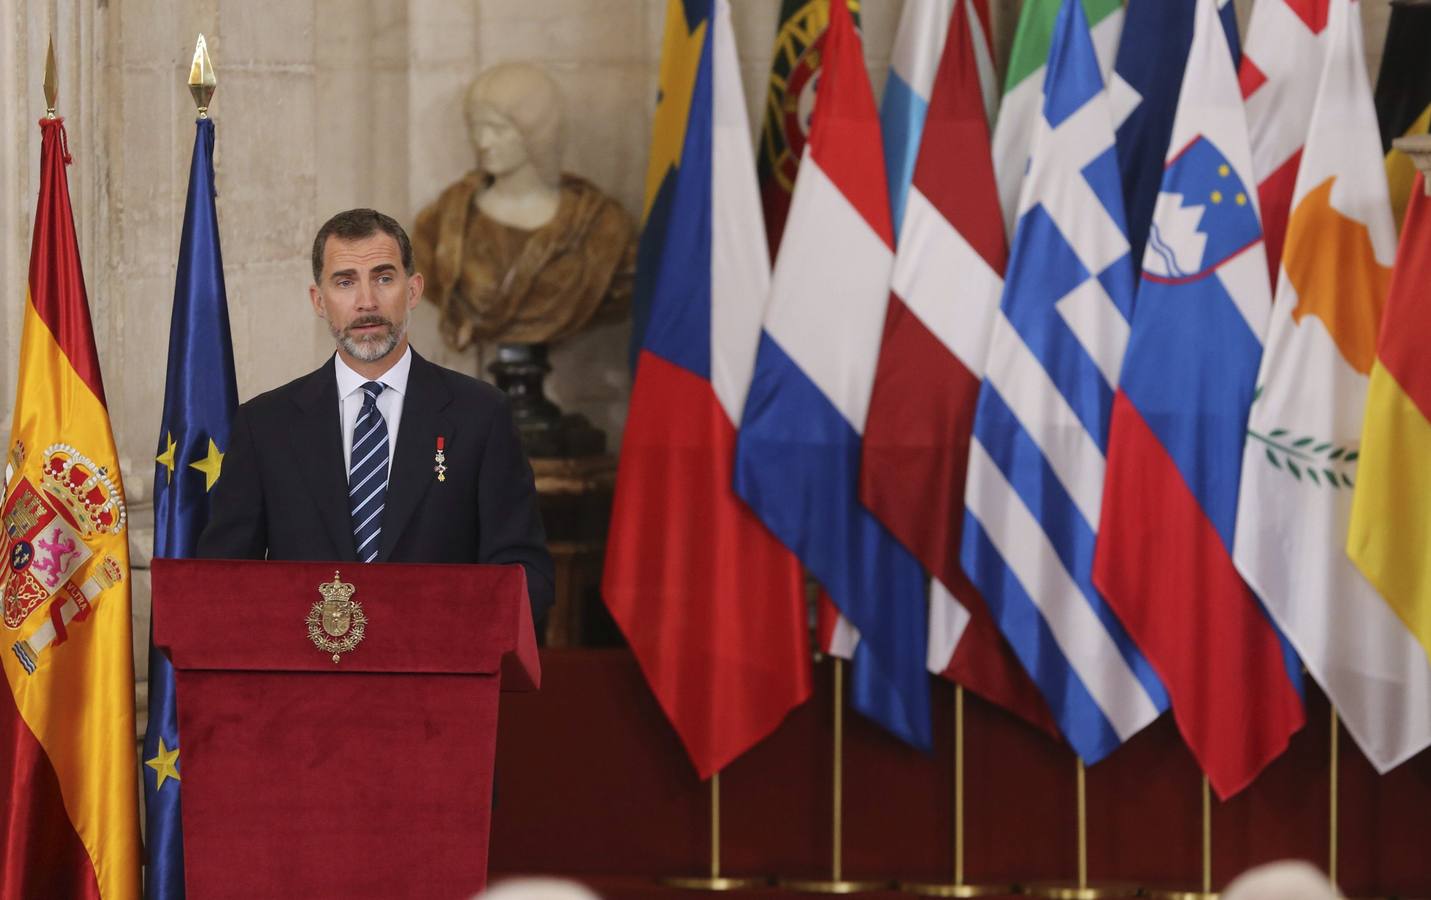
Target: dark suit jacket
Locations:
point(283, 490)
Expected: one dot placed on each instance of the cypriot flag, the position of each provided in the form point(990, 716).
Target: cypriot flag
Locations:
point(1300, 459)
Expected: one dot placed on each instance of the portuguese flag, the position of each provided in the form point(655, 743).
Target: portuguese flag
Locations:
point(794, 75)
point(1403, 94)
point(67, 757)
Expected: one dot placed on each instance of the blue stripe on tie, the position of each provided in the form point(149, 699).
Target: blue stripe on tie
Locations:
point(359, 485)
point(365, 441)
point(370, 465)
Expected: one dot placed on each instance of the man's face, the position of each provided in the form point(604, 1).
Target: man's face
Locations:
point(366, 297)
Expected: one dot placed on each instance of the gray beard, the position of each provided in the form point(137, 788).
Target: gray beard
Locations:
point(374, 348)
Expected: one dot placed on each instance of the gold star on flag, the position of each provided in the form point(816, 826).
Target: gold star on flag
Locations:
point(165, 764)
point(210, 465)
point(166, 459)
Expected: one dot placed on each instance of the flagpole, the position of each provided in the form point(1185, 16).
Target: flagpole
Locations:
point(1082, 890)
point(1207, 893)
point(837, 883)
point(959, 887)
point(715, 881)
point(1332, 779)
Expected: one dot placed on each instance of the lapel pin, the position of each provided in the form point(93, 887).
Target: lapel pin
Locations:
point(441, 459)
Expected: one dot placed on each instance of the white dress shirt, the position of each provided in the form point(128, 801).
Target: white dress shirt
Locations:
point(350, 401)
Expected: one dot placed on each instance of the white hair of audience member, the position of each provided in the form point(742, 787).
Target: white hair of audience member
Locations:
point(537, 889)
point(1286, 880)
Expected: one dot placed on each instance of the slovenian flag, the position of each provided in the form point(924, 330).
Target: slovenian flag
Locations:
point(710, 602)
point(1035, 483)
point(798, 455)
point(1164, 557)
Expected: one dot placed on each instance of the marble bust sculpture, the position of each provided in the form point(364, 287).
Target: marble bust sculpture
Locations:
point(516, 251)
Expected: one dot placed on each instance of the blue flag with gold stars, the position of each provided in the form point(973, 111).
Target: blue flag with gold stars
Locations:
point(200, 396)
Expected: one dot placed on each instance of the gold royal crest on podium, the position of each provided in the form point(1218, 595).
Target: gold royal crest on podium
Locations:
point(336, 624)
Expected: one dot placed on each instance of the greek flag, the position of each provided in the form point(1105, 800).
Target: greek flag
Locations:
point(1036, 463)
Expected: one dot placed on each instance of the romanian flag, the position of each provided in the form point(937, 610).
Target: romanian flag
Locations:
point(1403, 94)
point(71, 825)
point(1391, 513)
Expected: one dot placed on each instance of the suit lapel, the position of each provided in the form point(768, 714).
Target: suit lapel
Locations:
point(318, 448)
point(412, 466)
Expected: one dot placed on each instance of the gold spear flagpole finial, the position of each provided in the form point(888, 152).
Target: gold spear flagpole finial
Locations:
point(52, 83)
point(201, 77)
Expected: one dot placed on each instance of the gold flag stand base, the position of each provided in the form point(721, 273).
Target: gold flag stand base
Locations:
point(1081, 889)
point(714, 881)
point(1063, 891)
point(832, 885)
point(1207, 893)
point(836, 883)
point(715, 884)
point(958, 887)
point(935, 889)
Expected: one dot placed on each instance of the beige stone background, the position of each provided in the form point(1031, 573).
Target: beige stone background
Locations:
point(322, 105)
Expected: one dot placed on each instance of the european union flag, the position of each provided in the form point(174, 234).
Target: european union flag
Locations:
point(200, 396)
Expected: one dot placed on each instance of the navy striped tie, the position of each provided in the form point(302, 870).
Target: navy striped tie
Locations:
point(368, 474)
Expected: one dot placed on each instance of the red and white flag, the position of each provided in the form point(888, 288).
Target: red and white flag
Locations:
point(1281, 66)
point(947, 281)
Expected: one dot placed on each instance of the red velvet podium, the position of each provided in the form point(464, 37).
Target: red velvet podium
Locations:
point(368, 777)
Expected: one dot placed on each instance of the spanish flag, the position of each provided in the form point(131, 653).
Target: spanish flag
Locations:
point(1391, 512)
point(70, 826)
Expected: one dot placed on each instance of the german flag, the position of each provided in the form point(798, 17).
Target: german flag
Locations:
point(1403, 93)
point(68, 768)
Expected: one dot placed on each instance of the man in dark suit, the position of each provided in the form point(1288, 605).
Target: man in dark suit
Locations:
point(379, 455)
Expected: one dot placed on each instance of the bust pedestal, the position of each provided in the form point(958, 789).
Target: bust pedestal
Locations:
point(545, 430)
